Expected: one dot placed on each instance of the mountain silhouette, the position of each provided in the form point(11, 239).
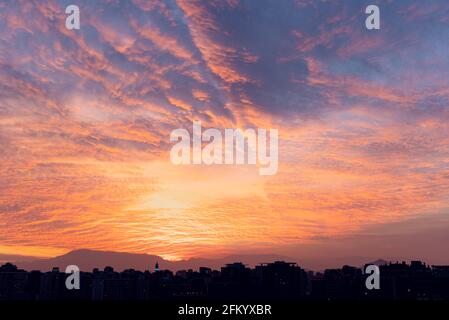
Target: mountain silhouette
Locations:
point(87, 259)
point(379, 262)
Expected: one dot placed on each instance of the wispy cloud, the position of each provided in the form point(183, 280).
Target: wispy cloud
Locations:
point(85, 118)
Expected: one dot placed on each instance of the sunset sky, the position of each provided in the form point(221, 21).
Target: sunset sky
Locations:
point(363, 120)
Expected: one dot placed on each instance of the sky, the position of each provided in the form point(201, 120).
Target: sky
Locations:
point(362, 115)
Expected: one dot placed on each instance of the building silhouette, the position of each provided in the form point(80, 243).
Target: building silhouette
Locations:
point(277, 280)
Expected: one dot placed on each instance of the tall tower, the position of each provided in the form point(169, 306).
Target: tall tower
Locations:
point(156, 267)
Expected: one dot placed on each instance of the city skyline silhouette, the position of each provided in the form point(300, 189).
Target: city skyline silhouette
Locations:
point(274, 280)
